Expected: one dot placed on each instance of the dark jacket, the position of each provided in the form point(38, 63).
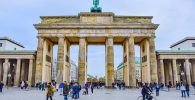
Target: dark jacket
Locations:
point(187, 87)
point(66, 89)
point(1, 85)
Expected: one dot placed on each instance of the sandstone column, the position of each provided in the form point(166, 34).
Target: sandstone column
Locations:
point(126, 64)
point(145, 61)
point(82, 70)
point(175, 73)
point(170, 72)
point(109, 62)
point(30, 72)
point(23, 71)
point(193, 70)
point(131, 61)
point(66, 71)
point(39, 60)
point(1, 70)
point(166, 72)
point(17, 76)
point(6, 66)
point(187, 70)
point(162, 71)
point(153, 63)
point(60, 60)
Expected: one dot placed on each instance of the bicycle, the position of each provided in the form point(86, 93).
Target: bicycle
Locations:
point(149, 97)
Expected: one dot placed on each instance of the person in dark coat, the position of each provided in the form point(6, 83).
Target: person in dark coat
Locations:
point(157, 89)
point(86, 87)
point(187, 89)
point(144, 92)
point(92, 86)
point(66, 90)
point(1, 86)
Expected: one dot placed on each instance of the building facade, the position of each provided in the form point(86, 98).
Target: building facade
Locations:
point(9, 44)
point(176, 65)
point(120, 70)
point(17, 66)
point(188, 43)
point(73, 71)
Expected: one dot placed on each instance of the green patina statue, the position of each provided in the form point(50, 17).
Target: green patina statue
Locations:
point(95, 7)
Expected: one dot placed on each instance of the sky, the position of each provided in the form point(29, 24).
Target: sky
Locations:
point(176, 19)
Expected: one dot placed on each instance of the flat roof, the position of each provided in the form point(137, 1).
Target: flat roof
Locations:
point(175, 51)
point(181, 41)
point(18, 51)
point(13, 41)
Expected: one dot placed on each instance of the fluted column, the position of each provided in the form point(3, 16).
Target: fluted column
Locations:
point(132, 71)
point(30, 72)
point(39, 60)
point(175, 73)
point(17, 76)
point(82, 70)
point(109, 62)
point(187, 70)
point(153, 62)
point(6, 67)
point(162, 71)
point(60, 59)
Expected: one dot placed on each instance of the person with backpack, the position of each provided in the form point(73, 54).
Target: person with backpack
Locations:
point(50, 91)
point(66, 90)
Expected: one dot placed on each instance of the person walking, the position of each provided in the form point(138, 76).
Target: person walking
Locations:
point(183, 89)
point(86, 87)
point(66, 90)
point(61, 86)
point(49, 92)
point(1, 86)
point(187, 89)
point(92, 86)
point(157, 89)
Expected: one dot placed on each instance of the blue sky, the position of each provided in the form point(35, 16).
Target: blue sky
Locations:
point(176, 19)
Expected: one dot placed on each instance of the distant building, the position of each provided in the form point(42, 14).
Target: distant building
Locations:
point(73, 71)
point(119, 71)
point(187, 43)
point(54, 69)
point(9, 44)
point(16, 64)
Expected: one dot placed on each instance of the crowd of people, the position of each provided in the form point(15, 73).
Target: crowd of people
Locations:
point(74, 89)
point(66, 89)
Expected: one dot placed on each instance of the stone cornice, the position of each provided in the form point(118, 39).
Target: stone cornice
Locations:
point(96, 26)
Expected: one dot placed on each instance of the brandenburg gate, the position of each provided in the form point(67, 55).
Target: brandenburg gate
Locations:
point(96, 28)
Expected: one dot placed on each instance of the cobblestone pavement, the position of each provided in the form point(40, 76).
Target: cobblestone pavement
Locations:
point(99, 94)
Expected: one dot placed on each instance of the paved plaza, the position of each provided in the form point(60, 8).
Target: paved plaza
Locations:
point(100, 94)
